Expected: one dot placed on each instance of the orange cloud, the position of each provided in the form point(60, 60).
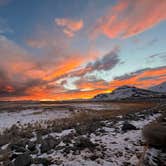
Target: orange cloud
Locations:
point(70, 27)
point(87, 89)
point(130, 17)
point(27, 77)
point(65, 67)
point(143, 79)
point(92, 85)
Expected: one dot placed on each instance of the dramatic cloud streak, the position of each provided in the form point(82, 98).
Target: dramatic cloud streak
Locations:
point(130, 17)
point(70, 27)
point(142, 78)
point(103, 63)
point(29, 76)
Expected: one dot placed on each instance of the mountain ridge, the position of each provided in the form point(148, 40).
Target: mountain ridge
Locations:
point(128, 92)
point(159, 88)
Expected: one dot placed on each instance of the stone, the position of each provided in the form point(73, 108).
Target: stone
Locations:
point(84, 142)
point(127, 126)
point(48, 144)
point(23, 160)
point(43, 161)
point(31, 146)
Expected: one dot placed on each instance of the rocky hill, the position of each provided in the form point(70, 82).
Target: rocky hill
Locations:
point(159, 88)
point(128, 92)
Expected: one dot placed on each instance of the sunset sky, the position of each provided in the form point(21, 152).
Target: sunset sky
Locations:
point(68, 49)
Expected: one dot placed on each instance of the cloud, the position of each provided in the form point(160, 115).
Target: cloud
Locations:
point(130, 17)
point(26, 77)
point(155, 57)
point(4, 27)
point(58, 73)
point(161, 55)
point(34, 76)
point(70, 27)
point(142, 78)
point(84, 85)
point(107, 62)
point(103, 63)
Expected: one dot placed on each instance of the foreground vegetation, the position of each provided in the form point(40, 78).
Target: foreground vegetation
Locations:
point(83, 122)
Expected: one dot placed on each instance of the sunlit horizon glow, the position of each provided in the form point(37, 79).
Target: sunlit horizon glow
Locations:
point(63, 50)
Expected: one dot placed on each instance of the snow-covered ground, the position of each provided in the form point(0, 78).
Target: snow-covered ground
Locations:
point(96, 106)
point(120, 148)
point(7, 119)
point(109, 145)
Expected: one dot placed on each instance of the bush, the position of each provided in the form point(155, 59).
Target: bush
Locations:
point(155, 135)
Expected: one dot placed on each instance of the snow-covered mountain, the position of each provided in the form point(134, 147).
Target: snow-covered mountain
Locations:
point(159, 88)
point(126, 92)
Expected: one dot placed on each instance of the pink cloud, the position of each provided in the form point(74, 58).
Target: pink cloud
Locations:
point(70, 27)
point(130, 17)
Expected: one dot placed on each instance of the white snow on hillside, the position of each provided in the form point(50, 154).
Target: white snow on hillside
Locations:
point(125, 92)
point(159, 88)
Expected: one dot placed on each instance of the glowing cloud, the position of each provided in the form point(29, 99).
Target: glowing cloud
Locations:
point(70, 27)
point(143, 78)
point(130, 17)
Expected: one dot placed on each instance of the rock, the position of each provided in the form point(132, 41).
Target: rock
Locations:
point(93, 157)
point(23, 160)
point(58, 162)
point(31, 146)
point(13, 156)
point(68, 138)
point(84, 142)
point(17, 148)
point(48, 144)
point(68, 149)
point(8, 163)
point(44, 147)
point(43, 161)
point(21, 143)
point(88, 128)
point(127, 126)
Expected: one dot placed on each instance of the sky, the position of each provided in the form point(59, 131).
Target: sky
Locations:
point(75, 49)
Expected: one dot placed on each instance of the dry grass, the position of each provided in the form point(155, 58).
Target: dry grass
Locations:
point(155, 135)
point(87, 119)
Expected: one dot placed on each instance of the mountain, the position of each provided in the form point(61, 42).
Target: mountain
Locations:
point(159, 88)
point(128, 92)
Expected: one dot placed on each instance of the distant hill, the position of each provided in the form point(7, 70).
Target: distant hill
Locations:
point(128, 92)
point(159, 88)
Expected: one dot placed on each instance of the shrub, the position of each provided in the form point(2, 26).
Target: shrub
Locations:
point(155, 135)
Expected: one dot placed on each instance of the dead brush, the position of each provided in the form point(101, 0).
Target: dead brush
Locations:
point(155, 135)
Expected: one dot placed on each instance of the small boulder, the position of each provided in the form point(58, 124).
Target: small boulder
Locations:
point(17, 148)
point(127, 126)
point(23, 160)
point(84, 142)
point(31, 146)
point(43, 161)
point(48, 144)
